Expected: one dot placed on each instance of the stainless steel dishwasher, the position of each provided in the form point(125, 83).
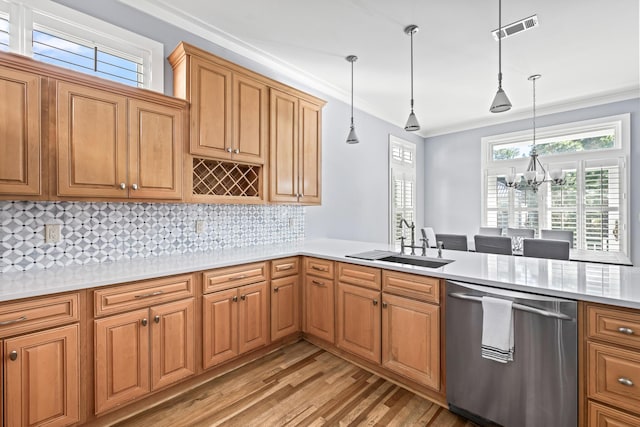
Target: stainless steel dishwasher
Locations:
point(540, 387)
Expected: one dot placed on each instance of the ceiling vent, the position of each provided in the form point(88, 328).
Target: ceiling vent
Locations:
point(517, 27)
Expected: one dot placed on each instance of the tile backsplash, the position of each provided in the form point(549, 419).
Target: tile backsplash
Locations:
point(102, 232)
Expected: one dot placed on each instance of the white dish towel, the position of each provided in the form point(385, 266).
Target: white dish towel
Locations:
point(497, 329)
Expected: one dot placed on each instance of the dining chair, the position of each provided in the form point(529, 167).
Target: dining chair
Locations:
point(566, 235)
point(545, 248)
point(493, 244)
point(490, 231)
point(528, 233)
point(456, 242)
point(430, 235)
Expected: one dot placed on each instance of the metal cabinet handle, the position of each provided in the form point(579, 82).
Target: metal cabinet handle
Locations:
point(275, 290)
point(243, 297)
point(156, 319)
point(229, 149)
point(240, 277)
point(375, 302)
point(151, 294)
point(13, 355)
point(123, 186)
point(318, 283)
point(627, 331)
point(12, 321)
point(625, 381)
point(284, 267)
point(236, 151)
point(234, 299)
point(134, 186)
point(315, 267)
point(300, 195)
point(384, 304)
point(144, 322)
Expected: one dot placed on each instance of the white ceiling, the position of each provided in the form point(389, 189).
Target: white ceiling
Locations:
point(588, 51)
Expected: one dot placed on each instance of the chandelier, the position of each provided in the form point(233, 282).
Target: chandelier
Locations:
point(536, 174)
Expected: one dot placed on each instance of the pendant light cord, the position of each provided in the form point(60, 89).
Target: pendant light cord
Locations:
point(499, 44)
point(534, 112)
point(412, 71)
point(352, 93)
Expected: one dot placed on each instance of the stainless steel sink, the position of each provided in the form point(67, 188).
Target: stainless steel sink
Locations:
point(395, 257)
point(421, 262)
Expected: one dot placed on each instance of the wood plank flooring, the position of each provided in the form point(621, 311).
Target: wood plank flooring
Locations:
point(299, 385)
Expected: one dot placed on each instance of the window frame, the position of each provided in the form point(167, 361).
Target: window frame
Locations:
point(575, 160)
point(28, 15)
point(401, 168)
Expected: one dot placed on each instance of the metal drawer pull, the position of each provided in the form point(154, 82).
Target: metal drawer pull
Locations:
point(144, 322)
point(284, 267)
point(375, 302)
point(235, 298)
point(229, 149)
point(151, 294)
point(315, 282)
point(11, 322)
point(240, 277)
point(625, 381)
point(315, 267)
point(156, 319)
point(123, 186)
point(626, 331)
point(13, 355)
point(517, 306)
point(275, 290)
point(243, 297)
point(236, 151)
point(384, 305)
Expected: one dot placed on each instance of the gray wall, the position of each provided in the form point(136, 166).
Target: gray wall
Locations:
point(452, 171)
point(355, 177)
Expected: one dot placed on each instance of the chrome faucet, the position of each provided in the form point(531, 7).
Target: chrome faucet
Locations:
point(413, 246)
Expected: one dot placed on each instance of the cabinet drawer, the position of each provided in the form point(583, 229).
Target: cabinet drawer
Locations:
point(285, 267)
point(614, 376)
point(319, 267)
point(38, 313)
point(142, 294)
point(603, 416)
point(231, 277)
point(368, 277)
point(411, 285)
point(613, 325)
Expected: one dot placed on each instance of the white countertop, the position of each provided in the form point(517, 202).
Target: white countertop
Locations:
point(608, 284)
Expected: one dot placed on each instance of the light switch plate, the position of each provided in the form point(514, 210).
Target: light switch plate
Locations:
point(52, 233)
point(201, 225)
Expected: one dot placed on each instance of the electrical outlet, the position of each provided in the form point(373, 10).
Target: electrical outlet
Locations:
point(201, 225)
point(52, 233)
point(290, 222)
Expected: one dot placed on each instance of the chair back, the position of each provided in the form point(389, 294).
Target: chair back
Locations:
point(528, 233)
point(490, 231)
point(493, 244)
point(430, 235)
point(566, 235)
point(546, 248)
point(456, 242)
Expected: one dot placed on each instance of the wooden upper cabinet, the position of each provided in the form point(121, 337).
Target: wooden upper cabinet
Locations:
point(283, 147)
point(250, 111)
point(155, 150)
point(91, 142)
point(42, 378)
point(310, 153)
point(20, 133)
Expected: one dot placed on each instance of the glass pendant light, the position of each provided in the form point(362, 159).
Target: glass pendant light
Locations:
point(412, 122)
point(500, 102)
point(352, 138)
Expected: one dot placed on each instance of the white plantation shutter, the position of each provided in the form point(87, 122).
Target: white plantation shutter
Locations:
point(497, 213)
point(403, 187)
point(562, 205)
point(4, 33)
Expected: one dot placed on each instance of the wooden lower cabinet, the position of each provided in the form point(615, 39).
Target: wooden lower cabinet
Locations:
point(603, 416)
point(235, 321)
point(285, 308)
point(358, 321)
point(319, 308)
point(411, 339)
point(42, 378)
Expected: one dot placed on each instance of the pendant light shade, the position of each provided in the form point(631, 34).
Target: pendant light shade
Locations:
point(412, 122)
point(500, 102)
point(352, 138)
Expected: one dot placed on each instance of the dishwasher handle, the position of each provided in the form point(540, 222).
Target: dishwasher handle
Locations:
point(517, 306)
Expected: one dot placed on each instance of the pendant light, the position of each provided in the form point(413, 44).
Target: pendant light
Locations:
point(412, 122)
point(352, 138)
point(500, 102)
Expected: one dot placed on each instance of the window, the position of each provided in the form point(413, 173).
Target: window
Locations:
point(593, 202)
point(55, 34)
point(402, 174)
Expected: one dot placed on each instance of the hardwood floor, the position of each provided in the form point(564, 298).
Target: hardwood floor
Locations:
point(299, 385)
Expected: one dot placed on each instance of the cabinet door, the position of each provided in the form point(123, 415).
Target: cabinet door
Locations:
point(250, 109)
point(359, 321)
point(91, 142)
point(155, 150)
point(285, 309)
point(310, 156)
point(220, 329)
point(411, 339)
point(283, 147)
point(210, 109)
point(121, 359)
point(20, 147)
point(42, 378)
point(319, 321)
point(172, 343)
point(253, 322)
